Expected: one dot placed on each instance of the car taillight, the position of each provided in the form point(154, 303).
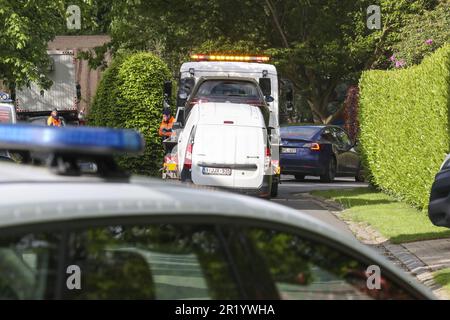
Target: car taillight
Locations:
point(267, 160)
point(188, 156)
point(312, 146)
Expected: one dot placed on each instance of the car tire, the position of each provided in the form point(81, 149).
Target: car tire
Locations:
point(274, 190)
point(300, 177)
point(360, 176)
point(330, 172)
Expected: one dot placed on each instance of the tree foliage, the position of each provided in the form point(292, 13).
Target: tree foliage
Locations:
point(130, 96)
point(423, 34)
point(26, 26)
point(317, 45)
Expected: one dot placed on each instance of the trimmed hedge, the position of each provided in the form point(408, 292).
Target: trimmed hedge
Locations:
point(130, 96)
point(404, 132)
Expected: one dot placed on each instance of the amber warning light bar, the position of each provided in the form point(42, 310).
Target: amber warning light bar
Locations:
point(210, 57)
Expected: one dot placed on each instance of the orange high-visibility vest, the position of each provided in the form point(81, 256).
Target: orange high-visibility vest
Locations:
point(53, 122)
point(166, 125)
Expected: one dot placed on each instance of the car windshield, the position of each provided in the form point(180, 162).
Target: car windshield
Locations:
point(229, 91)
point(303, 133)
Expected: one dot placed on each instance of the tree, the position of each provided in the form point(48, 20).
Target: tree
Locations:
point(26, 27)
point(130, 96)
point(323, 44)
point(423, 34)
point(316, 44)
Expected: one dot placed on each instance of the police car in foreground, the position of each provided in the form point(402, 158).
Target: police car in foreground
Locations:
point(106, 235)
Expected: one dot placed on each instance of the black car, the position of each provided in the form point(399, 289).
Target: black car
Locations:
point(439, 205)
point(325, 151)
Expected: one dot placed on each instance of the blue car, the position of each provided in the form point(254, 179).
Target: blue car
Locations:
point(325, 151)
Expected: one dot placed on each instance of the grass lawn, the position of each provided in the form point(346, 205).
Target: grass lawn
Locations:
point(442, 277)
point(395, 220)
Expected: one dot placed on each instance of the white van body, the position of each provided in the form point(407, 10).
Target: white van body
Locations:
point(229, 148)
point(198, 69)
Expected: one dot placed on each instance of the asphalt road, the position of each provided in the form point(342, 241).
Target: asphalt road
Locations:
point(292, 194)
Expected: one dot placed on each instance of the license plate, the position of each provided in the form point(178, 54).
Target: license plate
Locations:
point(289, 150)
point(216, 171)
point(171, 166)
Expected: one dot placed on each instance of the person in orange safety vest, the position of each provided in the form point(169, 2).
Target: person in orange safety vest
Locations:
point(165, 129)
point(54, 119)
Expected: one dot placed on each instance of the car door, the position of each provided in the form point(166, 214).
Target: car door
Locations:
point(349, 158)
point(329, 135)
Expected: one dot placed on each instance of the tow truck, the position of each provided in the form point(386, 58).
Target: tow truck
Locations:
point(236, 66)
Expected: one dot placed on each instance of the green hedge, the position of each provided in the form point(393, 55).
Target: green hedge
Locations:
point(130, 96)
point(404, 117)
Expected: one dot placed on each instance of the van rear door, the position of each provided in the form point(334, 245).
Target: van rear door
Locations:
point(229, 156)
point(249, 157)
point(214, 155)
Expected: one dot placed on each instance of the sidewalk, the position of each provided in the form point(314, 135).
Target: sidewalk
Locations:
point(420, 258)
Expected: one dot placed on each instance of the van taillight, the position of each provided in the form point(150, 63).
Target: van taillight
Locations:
point(267, 160)
point(188, 156)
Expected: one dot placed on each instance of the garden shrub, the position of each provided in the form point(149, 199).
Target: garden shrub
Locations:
point(130, 96)
point(404, 126)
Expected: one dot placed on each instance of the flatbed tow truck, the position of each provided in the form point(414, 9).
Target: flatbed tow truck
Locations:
point(208, 65)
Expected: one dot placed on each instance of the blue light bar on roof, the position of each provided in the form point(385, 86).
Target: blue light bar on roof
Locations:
point(82, 140)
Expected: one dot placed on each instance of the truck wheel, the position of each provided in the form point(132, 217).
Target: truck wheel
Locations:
point(274, 190)
point(330, 171)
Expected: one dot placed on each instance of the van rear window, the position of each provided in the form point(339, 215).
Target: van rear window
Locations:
point(5, 115)
point(229, 90)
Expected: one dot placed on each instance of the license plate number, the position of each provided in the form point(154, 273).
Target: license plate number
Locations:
point(289, 150)
point(216, 171)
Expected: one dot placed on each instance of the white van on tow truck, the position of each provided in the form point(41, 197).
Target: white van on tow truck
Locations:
point(226, 146)
point(254, 67)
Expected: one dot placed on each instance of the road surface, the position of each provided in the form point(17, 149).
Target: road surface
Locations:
point(292, 194)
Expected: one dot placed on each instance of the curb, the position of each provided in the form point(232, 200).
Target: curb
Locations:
point(371, 237)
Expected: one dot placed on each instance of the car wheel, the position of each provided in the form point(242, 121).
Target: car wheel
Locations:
point(300, 177)
point(274, 190)
point(330, 171)
point(359, 176)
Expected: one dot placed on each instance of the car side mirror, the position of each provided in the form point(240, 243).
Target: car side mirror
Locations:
point(269, 99)
point(266, 86)
point(270, 129)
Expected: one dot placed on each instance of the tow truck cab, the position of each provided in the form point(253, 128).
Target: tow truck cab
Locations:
point(254, 67)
